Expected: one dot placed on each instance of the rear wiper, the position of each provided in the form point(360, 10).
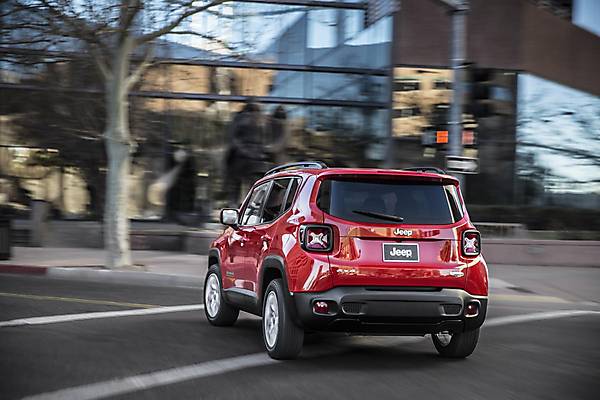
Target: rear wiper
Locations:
point(379, 215)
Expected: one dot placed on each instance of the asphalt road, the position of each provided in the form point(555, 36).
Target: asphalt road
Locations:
point(177, 354)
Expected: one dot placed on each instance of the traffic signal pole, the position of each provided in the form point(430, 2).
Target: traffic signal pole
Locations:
point(458, 10)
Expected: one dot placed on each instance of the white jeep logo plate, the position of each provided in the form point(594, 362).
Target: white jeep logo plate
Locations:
point(396, 252)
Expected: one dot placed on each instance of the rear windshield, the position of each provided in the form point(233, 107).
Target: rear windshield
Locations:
point(389, 201)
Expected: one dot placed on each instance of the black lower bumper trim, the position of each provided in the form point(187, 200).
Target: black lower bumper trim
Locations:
point(402, 312)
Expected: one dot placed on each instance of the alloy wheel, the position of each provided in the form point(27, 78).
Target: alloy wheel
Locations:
point(212, 295)
point(271, 319)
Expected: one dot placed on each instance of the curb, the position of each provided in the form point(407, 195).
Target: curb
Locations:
point(23, 269)
point(106, 276)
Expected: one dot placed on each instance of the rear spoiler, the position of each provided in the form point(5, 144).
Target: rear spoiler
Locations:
point(435, 170)
point(406, 174)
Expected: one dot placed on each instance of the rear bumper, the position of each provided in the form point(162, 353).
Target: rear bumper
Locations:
point(392, 311)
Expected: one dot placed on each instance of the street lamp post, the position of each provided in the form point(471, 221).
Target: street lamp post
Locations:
point(459, 10)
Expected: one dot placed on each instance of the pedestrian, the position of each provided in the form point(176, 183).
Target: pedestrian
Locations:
point(277, 136)
point(245, 156)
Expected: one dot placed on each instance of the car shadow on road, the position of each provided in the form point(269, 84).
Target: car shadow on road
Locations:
point(340, 350)
point(343, 351)
point(332, 350)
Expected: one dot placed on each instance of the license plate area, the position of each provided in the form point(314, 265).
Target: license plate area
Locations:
point(401, 252)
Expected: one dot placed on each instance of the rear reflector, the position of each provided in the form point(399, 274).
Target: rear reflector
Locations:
point(472, 309)
point(321, 307)
point(471, 243)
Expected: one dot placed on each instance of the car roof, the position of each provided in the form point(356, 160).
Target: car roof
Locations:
point(324, 172)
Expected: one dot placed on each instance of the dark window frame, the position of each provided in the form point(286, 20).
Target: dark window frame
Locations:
point(454, 202)
point(285, 206)
point(282, 208)
point(326, 208)
point(283, 200)
point(262, 206)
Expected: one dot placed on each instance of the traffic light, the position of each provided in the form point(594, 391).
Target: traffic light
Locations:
point(436, 133)
point(489, 92)
point(480, 92)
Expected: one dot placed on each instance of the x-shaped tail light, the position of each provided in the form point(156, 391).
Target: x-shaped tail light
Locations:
point(316, 238)
point(471, 243)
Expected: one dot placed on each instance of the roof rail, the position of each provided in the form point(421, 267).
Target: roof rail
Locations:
point(298, 165)
point(426, 169)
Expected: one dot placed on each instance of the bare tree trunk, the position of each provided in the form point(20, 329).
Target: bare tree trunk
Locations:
point(118, 148)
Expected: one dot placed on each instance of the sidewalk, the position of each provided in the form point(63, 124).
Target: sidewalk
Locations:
point(154, 268)
point(167, 268)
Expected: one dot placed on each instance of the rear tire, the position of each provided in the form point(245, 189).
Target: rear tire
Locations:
point(458, 345)
point(282, 337)
point(217, 310)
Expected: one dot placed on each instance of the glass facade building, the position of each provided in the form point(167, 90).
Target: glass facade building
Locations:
point(331, 73)
point(558, 145)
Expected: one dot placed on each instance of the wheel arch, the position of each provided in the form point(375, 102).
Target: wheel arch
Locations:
point(214, 258)
point(273, 267)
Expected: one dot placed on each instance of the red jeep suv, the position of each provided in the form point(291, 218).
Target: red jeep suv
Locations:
point(363, 251)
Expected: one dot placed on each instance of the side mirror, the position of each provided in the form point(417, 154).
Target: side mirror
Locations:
point(230, 217)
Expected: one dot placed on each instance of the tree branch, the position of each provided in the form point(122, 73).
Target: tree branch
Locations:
point(168, 27)
point(129, 9)
point(100, 63)
point(204, 36)
point(71, 25)
point(141, 68)
point(258, 13)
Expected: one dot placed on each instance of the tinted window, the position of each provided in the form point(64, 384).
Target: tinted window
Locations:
point(292, 193)
point(454, 202)
point(414, 202)
point(251, 215)
point(275, 201)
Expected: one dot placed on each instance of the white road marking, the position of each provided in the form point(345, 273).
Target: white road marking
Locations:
point(528, 298)
point(53, 319)
point(135, 383)
point(514, 319)
point(496, 283)
point(130, 384)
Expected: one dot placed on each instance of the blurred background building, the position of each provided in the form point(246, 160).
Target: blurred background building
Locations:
point(361, 83)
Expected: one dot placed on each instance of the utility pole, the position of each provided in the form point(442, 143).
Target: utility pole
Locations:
point(458, 10)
